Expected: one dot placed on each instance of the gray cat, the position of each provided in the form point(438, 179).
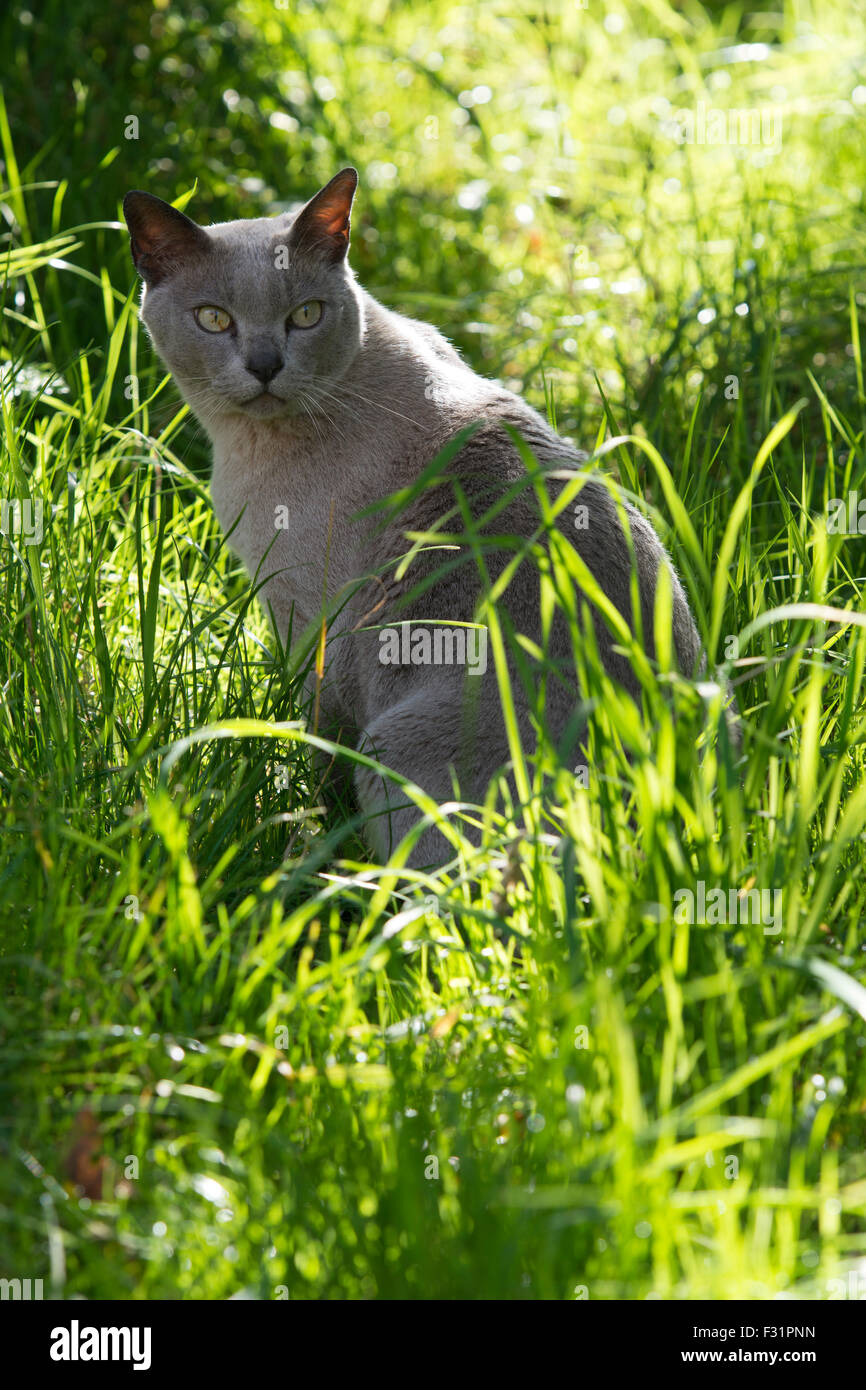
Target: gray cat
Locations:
point(320, 402)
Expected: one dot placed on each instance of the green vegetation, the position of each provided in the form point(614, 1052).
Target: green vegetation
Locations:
point(227, 1068)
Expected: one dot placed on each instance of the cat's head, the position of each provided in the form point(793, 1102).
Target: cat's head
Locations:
point(259, 317)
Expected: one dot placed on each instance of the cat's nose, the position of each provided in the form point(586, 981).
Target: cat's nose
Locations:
point(264, 363)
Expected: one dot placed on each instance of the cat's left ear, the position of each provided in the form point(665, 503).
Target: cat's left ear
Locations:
point(322, 226)
point(160, 237)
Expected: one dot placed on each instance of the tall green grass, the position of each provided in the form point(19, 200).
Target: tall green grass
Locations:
point(238, 1056)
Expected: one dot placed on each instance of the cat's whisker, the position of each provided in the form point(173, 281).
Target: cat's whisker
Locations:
point(309, 406)
point(354, 393)
point(316, 405)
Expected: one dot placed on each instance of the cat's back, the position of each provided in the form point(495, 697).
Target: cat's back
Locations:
point(488, 478)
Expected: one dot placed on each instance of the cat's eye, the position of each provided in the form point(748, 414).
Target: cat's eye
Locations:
point(213, 319)
point(306, 314)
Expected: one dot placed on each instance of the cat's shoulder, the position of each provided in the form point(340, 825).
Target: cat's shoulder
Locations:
point(434, 338)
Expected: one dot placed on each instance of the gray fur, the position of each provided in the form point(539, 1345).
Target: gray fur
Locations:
point(360, 405)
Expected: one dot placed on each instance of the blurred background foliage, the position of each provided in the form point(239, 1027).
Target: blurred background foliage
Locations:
point(522, 184)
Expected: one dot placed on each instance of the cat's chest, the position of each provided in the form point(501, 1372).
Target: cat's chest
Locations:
point(279, 510)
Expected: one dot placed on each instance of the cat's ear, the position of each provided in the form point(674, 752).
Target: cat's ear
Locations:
point(161, 239)
point(322, 226)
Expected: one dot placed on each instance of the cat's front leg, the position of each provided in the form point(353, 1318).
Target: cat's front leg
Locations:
point(424, 738)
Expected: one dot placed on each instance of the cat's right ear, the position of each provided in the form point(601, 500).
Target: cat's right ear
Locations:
point(161, 239)
point(322, 225)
